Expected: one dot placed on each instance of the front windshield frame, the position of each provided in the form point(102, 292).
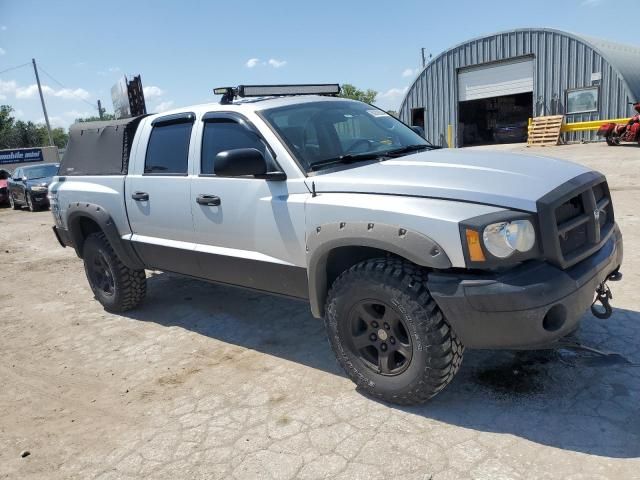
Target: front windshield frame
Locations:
point(411, 138)
point(30, 176)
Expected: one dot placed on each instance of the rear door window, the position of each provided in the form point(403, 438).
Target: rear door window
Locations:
point(168, 148)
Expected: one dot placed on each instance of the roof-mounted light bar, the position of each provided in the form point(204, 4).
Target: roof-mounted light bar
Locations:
point(229, 93)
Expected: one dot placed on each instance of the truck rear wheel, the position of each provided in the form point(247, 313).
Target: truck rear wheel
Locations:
point(388, 334)
point(117, 287)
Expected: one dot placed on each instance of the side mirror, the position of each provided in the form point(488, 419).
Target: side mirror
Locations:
point(419, 130)
point(240, 162)
point(24, 179)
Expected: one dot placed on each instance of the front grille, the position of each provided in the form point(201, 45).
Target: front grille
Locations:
point(576, 219)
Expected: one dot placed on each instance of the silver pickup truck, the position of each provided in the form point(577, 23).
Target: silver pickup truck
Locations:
point(409, 252)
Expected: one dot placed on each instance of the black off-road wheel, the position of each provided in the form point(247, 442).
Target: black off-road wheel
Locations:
point(613, 141)
point(388, 334)
point(117, 287)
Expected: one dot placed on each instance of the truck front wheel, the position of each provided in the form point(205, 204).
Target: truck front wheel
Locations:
point(388, 334)
point(117, 287)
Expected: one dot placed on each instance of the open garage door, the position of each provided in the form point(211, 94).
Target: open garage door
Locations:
point(495, 103)
point(495, 80)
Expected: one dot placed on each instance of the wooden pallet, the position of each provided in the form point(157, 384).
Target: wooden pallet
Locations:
point(545, 131)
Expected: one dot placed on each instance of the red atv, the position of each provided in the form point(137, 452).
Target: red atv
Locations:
point(614, 134)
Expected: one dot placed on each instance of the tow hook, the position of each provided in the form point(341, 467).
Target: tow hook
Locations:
point(603, 295)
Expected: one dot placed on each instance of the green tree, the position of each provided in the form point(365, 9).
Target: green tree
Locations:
point(6, 126)
point(59, 137)
point(28, 134)
point(95, 118)
point(354, 93)
point(19, 134)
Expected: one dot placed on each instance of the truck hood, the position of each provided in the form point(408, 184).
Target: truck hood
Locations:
point(489, 177)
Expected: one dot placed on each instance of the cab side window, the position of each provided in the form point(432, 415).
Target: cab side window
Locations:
point(223, 134)
point(168, 148)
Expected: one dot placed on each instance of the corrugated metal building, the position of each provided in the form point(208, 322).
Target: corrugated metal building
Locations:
point(488, 87)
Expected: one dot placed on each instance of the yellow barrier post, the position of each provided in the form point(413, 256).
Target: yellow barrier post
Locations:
point(450, 136)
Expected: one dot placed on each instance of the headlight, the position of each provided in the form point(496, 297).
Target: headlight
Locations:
point(38, 188)
point(502, 239)
point(499, 238)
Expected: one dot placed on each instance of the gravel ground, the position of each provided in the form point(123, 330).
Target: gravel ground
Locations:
point(205, 381)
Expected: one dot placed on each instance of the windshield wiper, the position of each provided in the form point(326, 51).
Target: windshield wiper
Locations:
point(348, 158)
point(409, 149)
point(352, 158)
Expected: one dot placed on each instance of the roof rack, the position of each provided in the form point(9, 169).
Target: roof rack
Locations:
point(230, 93)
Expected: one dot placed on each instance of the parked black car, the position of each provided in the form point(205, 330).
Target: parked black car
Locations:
point(511, 132)
point(29, 186)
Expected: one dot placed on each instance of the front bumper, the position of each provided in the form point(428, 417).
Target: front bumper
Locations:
point(39, 198)
point(530, 306)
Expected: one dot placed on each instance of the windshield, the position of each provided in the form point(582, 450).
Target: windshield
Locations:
point(40, 171)
point(320, 133)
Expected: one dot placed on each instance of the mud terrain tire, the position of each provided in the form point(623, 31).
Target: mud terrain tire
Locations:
point(431, 355)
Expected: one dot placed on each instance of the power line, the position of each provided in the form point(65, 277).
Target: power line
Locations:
point(65, 87)
point(15, 68)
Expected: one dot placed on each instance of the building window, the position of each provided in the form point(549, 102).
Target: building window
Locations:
point(582, 100)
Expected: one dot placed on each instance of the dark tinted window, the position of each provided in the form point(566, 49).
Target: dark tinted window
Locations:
point(168, 149)
point(320, 131)
point(41, 171)
point(226, 134)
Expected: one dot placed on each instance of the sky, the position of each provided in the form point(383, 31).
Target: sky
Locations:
point(185, 49)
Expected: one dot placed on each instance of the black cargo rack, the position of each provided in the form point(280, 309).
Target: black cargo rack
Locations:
point(230, 93)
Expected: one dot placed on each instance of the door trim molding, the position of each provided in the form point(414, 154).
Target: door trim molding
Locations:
point(206, 249)
point(229, 266)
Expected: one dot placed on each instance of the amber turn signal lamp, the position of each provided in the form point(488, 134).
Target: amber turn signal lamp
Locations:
point(473, 244)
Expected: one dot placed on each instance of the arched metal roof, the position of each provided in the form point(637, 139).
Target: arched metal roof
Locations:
point(624, 58)
point(563, 61)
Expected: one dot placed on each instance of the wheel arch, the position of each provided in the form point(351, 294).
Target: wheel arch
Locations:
point(335, 247)
point(83, 219)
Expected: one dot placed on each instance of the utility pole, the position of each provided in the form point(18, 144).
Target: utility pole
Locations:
point(100, 110)
point(424, 60)
point(44, 108)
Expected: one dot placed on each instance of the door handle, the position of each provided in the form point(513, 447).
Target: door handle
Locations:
point(208, 200)
point(140, 196)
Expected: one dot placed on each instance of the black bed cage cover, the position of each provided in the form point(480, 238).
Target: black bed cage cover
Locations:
point(99, 148)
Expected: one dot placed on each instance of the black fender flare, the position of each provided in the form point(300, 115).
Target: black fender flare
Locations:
point(79, 210)
point(413, 246)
